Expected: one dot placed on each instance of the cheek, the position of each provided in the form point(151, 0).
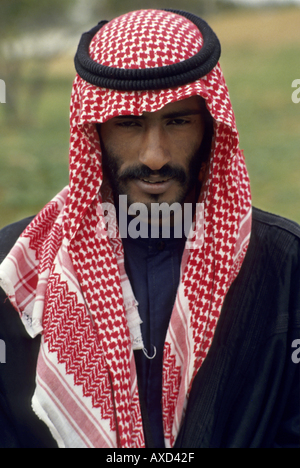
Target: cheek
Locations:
point(187, 155)
point(120, 151)
point(185, 146)
point(116, 142)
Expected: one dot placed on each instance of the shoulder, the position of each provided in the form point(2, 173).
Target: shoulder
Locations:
point(275, 235)
point(10, 234)
point(271, 270)
point(264, 220)
point(270, 274)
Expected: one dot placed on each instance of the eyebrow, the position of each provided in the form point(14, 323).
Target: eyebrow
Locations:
point(171, 115)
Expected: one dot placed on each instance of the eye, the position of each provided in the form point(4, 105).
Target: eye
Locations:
point(128, 123)
point(178, 122)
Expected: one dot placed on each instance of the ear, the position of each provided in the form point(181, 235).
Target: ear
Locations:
point(202, 172)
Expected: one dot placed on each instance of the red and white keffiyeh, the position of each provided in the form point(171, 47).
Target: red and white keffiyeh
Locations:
point(66, 277)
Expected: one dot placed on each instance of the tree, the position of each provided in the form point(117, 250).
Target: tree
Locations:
point(23, 15)
point(18, 18)
point(116, 7)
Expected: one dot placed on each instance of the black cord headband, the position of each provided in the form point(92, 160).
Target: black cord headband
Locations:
point(168, 76)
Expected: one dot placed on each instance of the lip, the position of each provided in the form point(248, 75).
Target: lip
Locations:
point(154, 187)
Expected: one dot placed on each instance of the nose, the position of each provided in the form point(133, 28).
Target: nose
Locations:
point(154, 150)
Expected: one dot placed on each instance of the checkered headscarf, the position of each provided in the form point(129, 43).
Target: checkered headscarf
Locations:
point(66, 277)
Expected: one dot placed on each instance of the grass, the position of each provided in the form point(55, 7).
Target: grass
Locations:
point(268, 122)
point(34, 156)
point(260, 59)
point(260, 62)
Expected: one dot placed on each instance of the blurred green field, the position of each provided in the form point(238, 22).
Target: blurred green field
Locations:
point(260, 60)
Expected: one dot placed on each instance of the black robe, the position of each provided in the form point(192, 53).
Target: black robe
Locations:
point(247, 392)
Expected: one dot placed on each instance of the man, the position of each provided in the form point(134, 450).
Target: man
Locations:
point(123, 339)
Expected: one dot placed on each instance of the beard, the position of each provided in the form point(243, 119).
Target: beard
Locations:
point(186, 178)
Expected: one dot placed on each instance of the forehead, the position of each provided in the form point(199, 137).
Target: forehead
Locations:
point(191, 105)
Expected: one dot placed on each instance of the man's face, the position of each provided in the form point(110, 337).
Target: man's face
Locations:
point(155, 157)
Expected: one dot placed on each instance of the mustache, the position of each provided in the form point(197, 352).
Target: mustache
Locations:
point(144, 172)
